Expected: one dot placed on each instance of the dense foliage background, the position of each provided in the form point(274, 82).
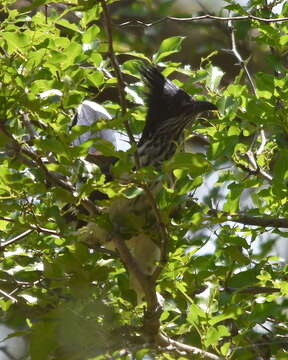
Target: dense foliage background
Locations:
point(223, 291)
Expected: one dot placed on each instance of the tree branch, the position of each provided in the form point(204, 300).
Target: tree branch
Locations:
point(33, 226)
point(236, 53)
point(114, 60)
point(133, 267)
point(118, 74)
point(253, 290)
point(168, 342)
point(264, 221)
point(164, 236)
point(27, 123)
point(50, 177)
point(151, 318)
point(37, 159)
point(15, 239)
point(12, 298)
point(44, 230)
point(250, 154)
point(258, 171)
point(101, 249)
point(137, 23)
point(151, 322)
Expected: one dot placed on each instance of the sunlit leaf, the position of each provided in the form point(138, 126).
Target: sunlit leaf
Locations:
point(168, 46)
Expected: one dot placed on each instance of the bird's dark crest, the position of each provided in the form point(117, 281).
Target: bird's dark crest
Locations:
point(165, 100)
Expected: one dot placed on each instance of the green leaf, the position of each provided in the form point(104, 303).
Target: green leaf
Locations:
point(264, 276)
point(51, 144)
point(214, 334)
point(141, 354)
point(236, 7)
point(29, 276)
point(36, 4)
point(214, 77)
point(73, 53)
point(281, 168)
point(138, 55)
point(43, 340)
point(195, 314)
point(234, 130)
point(244, 279)
point(23, 260)
point(5, 305)
point(284, 40)
point(265, 85)
point(184, 185)
point(225, 348)
point(15, 40)
point(106, 147)
point(91, 13)
point(233, 199)
point(197, 164)
point(168, 46)
point(90, 35)
point(283, 287)
point(96, 78)
point(222, 317)
point(235, 90)
point(236, 255)
point(68, 25)
point(132, 67)
point(132, 192)
point(95, 58)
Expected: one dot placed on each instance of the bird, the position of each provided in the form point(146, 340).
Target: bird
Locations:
point(169, 110)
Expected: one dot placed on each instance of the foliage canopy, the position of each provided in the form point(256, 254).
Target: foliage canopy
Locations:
point(72, 302)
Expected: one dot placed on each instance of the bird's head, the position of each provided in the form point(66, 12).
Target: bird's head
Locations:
point(165, 101)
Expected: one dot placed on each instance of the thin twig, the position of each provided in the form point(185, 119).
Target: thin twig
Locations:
point(253, 290)
point(50, 177)
point(5, 218)
point(168, 342)
point(114, 60)
point(254, 171)
point(32, 226)
point(137, 23)
point(280, 341)
point(23, 159)
point(15, 239)
point(44, 230)
point(12, 298)
point(264, 221)
point(263, 142)
point(239, 57)
point(27, 123)
point(101, 249)
point(25, 150)
point(250, 153)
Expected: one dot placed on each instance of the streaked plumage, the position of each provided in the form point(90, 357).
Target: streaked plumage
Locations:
point(170, 110)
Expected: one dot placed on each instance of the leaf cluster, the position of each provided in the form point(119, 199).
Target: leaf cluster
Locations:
point(223, 291)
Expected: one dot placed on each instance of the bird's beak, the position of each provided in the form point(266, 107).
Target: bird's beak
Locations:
point(201, 106)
